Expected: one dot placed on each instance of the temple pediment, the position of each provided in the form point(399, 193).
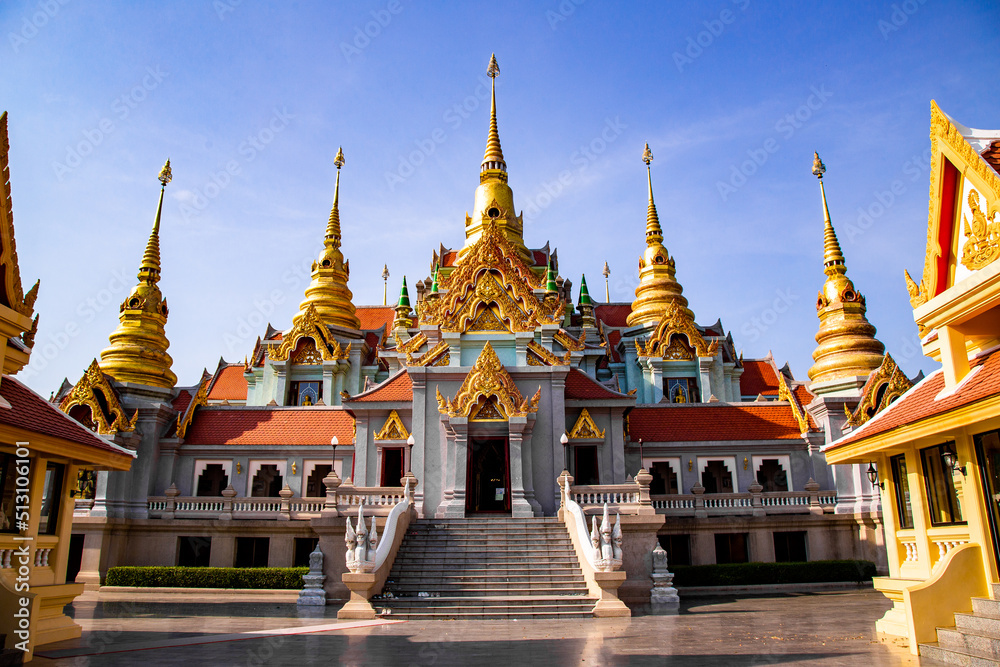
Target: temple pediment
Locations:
point(488, 379)
point(93, 391)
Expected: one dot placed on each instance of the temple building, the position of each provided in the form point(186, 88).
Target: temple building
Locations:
point(933, 449)
point(493, 391)
point(42, 451)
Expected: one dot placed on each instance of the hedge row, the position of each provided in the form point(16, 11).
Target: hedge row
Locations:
point(752, 574)
point(207, 577)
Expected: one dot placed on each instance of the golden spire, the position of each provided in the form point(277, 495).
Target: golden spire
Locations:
point(653, 232)
point(658, 287)
point(138, 349)
point(847, 347)
point(494, 199)
point(333, 224)
point(328, 291)
point(493, 159)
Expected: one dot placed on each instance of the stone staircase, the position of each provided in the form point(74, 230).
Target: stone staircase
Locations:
point(975, 639)
point(486, 568)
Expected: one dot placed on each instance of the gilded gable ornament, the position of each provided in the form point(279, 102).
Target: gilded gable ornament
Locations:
point(569, 342)
point(585, 428)
point(200, 399)
point(884, 385)
point(432, 357)
point(94, 391)
point(488, 378)
point(539, 356)
point(393, 429)
point(675, 321)
point(785, 394)
point(982, 244)
point(306, 353)
point(487, 410)
point(309, 325)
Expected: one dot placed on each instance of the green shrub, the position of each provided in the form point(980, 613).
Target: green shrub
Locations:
point(752, 574)
point(207, 577)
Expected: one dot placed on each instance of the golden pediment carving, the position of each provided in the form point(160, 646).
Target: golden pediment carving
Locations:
point(94, 391)
point(413, 344)
point(13, 295)
point(492, 274)
point(488, 378)
point(539, 356)
point(884, 385)
point(487, 410)
point(585, 428)
point(982, 234)
point(200, 399)
point(569, 342)
point(432, 357)
point(393, 429)
point(675, 322)
point(309, 325)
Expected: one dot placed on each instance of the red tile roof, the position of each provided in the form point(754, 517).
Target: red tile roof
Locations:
point(397, 388)
point(448, 259)
point(228, 384)
point(711, 421)
point(918, 403)
point(541, 258)
point(759, 377)
point(31, 412)
point(375, 317)
point(803, 394)
point(992, 155)
point(613, 314)
point(579, 385)
point(181, 401)
point(269, 426)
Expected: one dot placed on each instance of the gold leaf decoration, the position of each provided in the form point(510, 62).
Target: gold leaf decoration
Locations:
point(884, 385)
point(309, 325)
point(982, 244)
point(393, 429)
point(675, 321)
point(488, 378)
point(94, 391)
point(585, 428)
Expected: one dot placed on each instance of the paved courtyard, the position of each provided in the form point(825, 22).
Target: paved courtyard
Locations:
point(795, 629)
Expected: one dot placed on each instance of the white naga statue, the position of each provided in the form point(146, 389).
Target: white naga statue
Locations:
point(361, 544)
point(607, 542)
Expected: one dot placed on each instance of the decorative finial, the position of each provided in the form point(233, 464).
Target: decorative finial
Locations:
point(339, 160)
point(607, 290)
point(647, 155)
point(818, 167)
point(654, 235)
point(493, 159)
point(385, 284)
point(165, 174)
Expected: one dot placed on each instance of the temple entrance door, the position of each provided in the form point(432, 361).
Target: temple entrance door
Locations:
point(488, 478)
point(988, 453)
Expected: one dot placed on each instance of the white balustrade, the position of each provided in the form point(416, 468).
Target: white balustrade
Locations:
point(604, 548)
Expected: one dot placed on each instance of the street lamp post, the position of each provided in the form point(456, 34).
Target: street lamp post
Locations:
point(409, 454)
point(564, 439)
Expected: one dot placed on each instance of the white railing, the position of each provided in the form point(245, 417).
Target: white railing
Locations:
point(378, 501)
point(602, 547)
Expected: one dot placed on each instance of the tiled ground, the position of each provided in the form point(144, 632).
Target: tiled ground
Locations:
point(818, 629)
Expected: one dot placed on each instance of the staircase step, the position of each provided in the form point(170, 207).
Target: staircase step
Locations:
point(979, 625)
point(986, 607)
point(487, 568)
point(969, 643)
point(952, 657)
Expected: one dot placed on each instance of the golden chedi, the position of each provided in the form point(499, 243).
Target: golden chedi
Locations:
point(494, 198)
point(847, 345)
point(328, 291)
point(138, 350)
point(658, 287)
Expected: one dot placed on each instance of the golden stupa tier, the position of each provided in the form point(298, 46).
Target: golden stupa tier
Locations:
point(494, 198)
point(847, 344)
point(138, 350)
point(658, 288)
point(327, 291)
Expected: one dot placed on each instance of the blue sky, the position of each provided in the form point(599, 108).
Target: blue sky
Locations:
point(250, 101)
